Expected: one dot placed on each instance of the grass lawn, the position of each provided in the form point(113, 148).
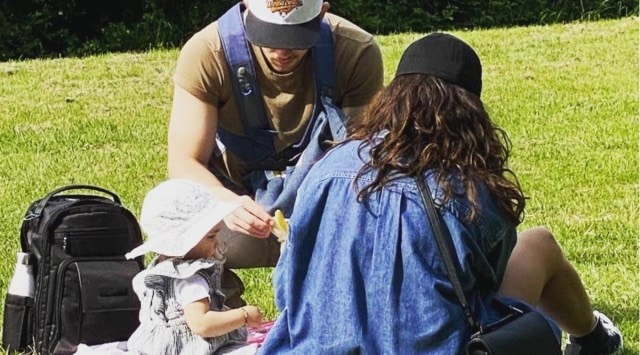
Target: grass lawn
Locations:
point(566, 94)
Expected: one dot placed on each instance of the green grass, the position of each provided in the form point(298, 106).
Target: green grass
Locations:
point(566, 94)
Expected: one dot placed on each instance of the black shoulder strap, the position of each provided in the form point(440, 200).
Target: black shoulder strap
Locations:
point(443, 239)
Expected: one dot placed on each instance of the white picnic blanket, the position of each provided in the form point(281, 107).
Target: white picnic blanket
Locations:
point(120, 348)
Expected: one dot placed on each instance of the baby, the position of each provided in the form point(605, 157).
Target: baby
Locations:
point(182, 308)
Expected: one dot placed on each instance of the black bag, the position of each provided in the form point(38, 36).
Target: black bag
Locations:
point(521, 333)
point(83, 291)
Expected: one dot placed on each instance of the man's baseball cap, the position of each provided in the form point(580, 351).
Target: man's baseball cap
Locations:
point(283, 24)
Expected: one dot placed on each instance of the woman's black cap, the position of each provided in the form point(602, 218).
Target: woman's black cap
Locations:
point(446, 57)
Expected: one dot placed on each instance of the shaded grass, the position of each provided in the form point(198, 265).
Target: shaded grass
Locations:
point(566, 94)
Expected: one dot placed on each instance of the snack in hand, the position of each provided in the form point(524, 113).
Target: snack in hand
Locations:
point(280, 228)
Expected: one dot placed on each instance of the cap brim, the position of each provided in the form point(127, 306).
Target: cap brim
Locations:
point(265, 34)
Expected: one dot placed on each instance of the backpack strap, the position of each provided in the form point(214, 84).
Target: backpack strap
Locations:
point(255, 146)
point(45, 200)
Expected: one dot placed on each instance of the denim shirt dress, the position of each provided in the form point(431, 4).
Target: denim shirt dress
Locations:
point(367, 277)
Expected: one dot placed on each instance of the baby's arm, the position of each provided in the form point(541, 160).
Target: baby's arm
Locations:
point(207, 323)
point(193, 294)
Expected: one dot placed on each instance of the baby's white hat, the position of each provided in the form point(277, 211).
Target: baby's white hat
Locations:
point(176, 215)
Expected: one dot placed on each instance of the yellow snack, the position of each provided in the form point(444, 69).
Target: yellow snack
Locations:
point(280, 228)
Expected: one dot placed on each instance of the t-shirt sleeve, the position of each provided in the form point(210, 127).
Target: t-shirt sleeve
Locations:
point(366, 79)
point(200, 69)
point(191, 289)
point(359, 67)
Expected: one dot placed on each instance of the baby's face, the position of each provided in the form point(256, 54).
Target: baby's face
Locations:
point(207, 246)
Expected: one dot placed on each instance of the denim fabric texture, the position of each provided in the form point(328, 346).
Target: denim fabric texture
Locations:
point(367, 277)
point(277, 190)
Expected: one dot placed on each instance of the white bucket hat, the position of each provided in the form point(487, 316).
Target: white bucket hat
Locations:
point(176, 215)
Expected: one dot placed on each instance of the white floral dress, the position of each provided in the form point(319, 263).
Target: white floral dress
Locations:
point(163, 329)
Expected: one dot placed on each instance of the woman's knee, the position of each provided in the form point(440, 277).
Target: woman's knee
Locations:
point(536, 258)
point(540, 243)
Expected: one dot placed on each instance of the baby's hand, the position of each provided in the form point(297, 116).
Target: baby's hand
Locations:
point(254, 316)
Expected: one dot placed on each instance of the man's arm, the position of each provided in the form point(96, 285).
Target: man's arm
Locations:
point(192, 133)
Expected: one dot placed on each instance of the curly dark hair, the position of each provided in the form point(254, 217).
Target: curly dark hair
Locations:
point(433, 124)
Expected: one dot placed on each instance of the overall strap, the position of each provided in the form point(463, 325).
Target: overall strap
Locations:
point(324, 63)
point(325, 79)
point(255, 146)
point(246, 90)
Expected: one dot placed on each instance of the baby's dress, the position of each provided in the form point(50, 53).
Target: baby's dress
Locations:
point(163, 329)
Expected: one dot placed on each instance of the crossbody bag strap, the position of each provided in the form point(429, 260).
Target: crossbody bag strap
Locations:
point(443, 239)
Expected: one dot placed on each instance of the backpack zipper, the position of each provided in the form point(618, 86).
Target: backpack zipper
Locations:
point(91, 233)
point(45, 250)
point(54, 334)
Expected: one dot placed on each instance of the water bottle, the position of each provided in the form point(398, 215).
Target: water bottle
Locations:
point(22, 282)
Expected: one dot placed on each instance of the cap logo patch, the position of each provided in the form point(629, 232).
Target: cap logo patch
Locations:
point(283, 7)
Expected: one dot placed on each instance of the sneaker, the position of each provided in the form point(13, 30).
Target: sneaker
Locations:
point(603, 340)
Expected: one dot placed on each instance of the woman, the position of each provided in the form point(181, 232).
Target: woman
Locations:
point(361, 271)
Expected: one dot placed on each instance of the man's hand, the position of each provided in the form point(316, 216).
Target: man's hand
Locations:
point(250, 219)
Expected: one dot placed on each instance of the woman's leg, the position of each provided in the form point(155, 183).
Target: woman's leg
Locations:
point(538, 273)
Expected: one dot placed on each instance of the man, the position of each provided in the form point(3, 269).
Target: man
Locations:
point(281, 34)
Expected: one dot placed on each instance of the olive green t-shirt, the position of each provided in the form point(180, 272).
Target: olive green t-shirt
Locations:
point(203, 72)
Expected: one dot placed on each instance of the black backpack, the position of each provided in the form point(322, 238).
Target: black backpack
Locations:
point(83, 291)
